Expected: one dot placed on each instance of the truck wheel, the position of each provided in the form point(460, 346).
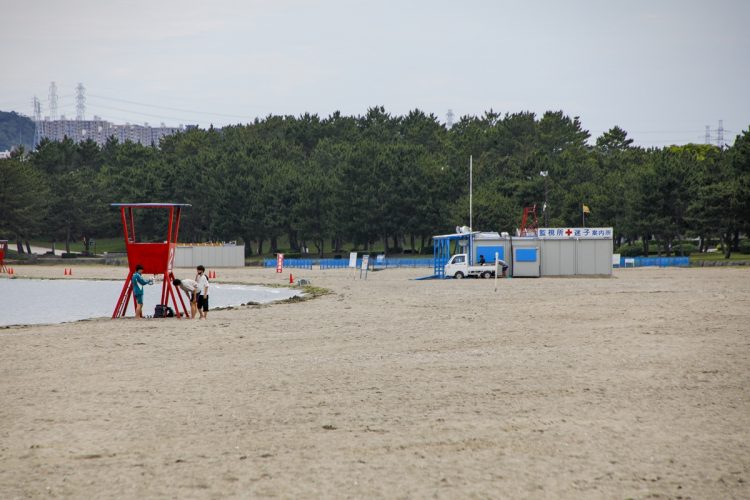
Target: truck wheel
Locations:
point(486, 275)
point(459, 275)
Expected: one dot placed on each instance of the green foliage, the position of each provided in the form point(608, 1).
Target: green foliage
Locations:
point(719, 256)
point(380, 181)
point(24, 197)
point(16, 130)
point(684, 248)
point(630, 250)
point(100, 245)
point(636, 250)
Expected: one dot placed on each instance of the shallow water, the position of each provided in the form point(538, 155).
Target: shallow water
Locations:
point(33, 301)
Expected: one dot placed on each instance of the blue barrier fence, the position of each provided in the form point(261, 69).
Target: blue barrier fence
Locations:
point(413, 262)
point(392, 262)
point(338, 263)
point(655, 262)
point(428, 262)
point(293, 263)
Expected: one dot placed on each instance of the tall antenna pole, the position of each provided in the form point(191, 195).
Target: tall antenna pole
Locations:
point(53, 101)
point(545, 174)
point(80, 102)
point(471, 187)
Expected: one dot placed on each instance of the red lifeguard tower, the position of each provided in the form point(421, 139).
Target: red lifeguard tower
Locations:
point(3, 250)
point(156, 258)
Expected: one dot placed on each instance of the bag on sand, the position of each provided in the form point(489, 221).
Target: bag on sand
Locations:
point(163, 311)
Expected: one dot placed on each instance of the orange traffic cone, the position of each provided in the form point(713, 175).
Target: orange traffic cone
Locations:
point(291, 279)
point(65, 271)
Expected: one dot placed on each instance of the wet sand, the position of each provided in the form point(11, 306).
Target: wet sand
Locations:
point(636, 386)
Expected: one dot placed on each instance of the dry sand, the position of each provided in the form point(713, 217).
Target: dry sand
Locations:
point(635, 386)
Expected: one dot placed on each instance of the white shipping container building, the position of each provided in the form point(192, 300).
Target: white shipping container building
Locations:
point(576, 251)
point(210, 256)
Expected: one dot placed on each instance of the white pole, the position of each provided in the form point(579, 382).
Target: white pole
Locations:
point(471, 175)
point(497, 263)
point(583, 216)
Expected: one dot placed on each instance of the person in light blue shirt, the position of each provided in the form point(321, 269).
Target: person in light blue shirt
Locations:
point(138, 282)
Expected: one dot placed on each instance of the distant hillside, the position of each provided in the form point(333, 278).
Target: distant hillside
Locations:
point(15, 129)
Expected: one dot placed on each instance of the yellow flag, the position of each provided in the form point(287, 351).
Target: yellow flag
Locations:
point(586, 209)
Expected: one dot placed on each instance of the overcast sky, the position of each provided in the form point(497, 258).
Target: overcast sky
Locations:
point(662, 70)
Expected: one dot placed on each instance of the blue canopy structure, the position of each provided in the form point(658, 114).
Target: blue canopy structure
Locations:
point(441, 249)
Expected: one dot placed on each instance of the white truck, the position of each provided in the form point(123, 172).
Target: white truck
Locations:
point(458, 267)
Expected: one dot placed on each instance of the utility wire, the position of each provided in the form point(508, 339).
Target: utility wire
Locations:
point(664, 131)
point(138, 113)
point(182, 110)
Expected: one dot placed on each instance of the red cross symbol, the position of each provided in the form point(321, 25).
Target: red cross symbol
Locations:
point(569, 232)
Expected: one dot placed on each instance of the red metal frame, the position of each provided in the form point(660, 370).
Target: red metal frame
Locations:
point(3, 249)
point(156, 258)
point(529, 223)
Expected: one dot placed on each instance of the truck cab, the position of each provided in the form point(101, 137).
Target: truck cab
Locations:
point(457, 267)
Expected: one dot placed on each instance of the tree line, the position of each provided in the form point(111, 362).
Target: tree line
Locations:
point(357, 180)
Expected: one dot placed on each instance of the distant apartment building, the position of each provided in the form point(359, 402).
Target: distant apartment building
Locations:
point(100, 130)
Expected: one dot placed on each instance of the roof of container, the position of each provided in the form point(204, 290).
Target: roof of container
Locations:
point(476, 235)
point(487, 236)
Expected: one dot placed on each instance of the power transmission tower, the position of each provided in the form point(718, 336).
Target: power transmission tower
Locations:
point(449, 116)
point(720, 135)
point(708, 134)
point(36, 103)
point(37, 121)
point(80, 102)
point(53, 101)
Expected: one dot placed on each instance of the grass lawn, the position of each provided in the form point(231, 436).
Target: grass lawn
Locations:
point(100, 246)
point(716, 256)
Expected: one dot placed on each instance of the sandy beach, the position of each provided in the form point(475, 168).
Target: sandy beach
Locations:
point(636, 386)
